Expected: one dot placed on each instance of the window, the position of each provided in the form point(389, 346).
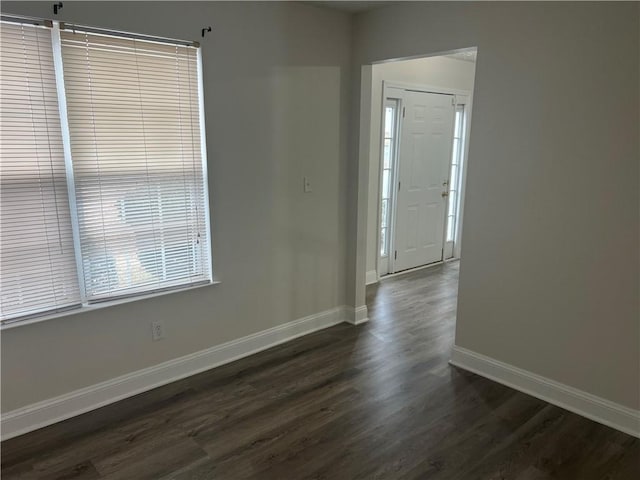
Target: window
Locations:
point(103, 168)
point(455, 174)
point(37, 260)
point(388, 155)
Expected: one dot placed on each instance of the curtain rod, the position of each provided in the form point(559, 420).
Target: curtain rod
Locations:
point(99, 31)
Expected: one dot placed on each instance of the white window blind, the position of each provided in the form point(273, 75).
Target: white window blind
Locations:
point(134, 122)
point(37, 260)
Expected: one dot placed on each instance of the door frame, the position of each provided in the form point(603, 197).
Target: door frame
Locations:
point(390, 90)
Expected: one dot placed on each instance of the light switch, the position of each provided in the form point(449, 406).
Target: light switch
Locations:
point(307, 185)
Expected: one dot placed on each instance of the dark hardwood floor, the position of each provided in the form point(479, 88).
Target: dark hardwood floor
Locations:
point(369, 402)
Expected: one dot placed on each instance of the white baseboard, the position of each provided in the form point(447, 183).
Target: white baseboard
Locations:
point(590, 406)
point(356, 315)
point(53, 410)
point(371, 277)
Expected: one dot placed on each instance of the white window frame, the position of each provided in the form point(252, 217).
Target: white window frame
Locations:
point(452, 247)
point(383, 258)
point(466, 100)
point(86, 306)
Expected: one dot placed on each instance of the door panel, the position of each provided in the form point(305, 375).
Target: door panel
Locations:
point(423, 170)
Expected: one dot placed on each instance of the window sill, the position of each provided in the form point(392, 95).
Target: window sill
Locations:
point(101, 305)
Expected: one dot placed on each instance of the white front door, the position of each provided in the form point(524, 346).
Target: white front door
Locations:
point(423, 175)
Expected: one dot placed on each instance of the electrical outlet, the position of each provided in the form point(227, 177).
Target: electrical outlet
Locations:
point(157, 331)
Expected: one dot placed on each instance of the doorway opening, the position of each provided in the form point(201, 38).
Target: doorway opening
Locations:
point(420, 113)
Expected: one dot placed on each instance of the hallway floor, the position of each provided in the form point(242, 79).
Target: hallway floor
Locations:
point(369, 402)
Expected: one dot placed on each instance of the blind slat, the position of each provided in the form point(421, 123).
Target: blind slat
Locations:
point(133, 112)
point(36, 243)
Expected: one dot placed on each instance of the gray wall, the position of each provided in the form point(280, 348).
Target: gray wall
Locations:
point(549, 270)
point(276, 77)
point(549, 276)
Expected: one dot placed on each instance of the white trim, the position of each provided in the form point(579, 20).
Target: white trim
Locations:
point(465, 95)
point(372, 277)
point(603, 411)
point(383, 264)
point(53, 410)
point(421, 267)
point(356, 315)
point(203, 153)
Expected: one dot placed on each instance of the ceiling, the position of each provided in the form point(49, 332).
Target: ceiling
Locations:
point(350, 6)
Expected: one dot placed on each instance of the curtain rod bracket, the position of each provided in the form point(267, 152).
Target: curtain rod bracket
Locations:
point(56, 7)
point(205, 30)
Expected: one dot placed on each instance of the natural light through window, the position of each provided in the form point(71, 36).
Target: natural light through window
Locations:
point(103, 169)
point(388, 152)
point(454, 175)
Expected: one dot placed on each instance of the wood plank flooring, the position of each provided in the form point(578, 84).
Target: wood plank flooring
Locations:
point(378, 401)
